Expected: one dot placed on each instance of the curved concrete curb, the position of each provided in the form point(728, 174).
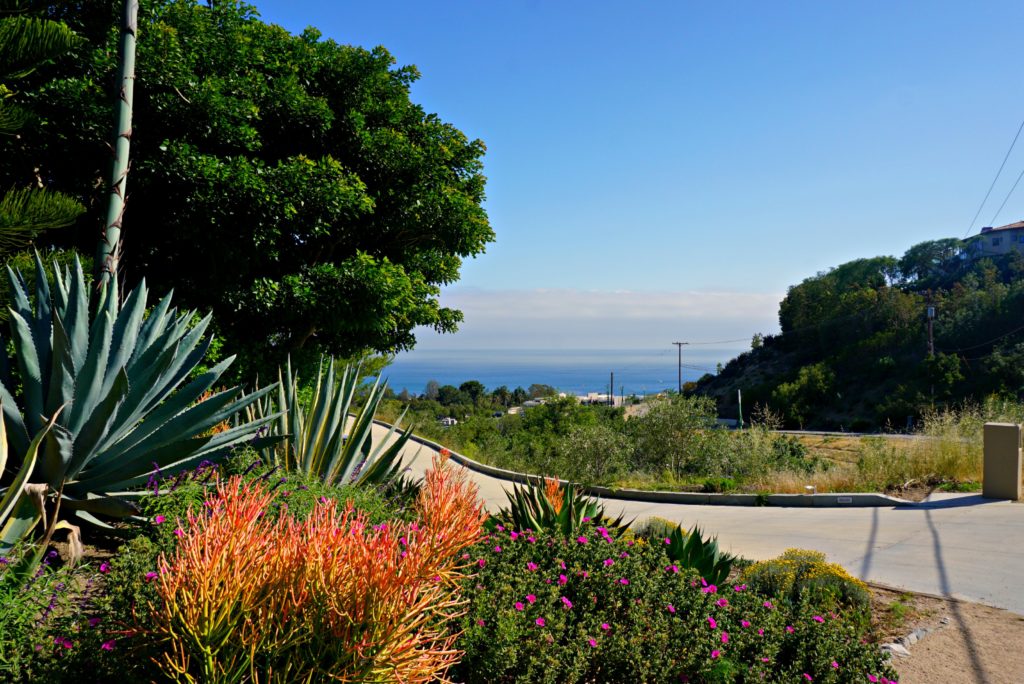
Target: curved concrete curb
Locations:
point(854, 500)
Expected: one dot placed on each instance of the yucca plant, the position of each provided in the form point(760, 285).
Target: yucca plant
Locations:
point(120, 383)
point(562, 509)
point(325, 439)
point(691, 550)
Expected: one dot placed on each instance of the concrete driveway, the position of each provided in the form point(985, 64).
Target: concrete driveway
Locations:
point(957, 545)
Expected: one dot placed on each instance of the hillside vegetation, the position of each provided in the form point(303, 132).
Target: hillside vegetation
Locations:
point(853, 352)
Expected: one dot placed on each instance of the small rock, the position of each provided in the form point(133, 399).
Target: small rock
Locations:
point(896, 650)
point(921, 632)
point(945, 620)
point(910, 639)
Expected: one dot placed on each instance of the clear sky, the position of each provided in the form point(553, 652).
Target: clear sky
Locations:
point(693, 159)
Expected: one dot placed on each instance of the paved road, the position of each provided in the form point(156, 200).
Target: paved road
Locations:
point(957, 545)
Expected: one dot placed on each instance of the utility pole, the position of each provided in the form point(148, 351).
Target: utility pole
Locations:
point(611, 390)
point(739, 401)
point(622, 394)
point(679, 345)
point(931, 342)
point(931, 325)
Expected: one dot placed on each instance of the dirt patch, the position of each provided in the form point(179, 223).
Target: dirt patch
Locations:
point(968, 642)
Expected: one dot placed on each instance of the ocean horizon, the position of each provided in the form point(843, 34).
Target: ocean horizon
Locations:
point(574, 371)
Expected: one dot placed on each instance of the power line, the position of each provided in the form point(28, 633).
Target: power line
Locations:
point(982, 205)
point(994, 339)
point(993, 221)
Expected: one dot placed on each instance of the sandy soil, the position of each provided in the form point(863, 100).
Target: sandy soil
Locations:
point(970, 642)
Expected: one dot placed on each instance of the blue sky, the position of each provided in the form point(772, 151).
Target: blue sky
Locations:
point(698, 155)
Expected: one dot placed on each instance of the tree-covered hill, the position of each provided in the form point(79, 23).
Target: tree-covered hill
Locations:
point(854, 352)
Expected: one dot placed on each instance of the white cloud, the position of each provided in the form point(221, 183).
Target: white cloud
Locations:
point(567, 318)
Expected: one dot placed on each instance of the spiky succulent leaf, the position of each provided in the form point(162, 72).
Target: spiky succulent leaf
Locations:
point(324, 439)
point(123, 377)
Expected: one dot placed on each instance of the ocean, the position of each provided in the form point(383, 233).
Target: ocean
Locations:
point(574, 371)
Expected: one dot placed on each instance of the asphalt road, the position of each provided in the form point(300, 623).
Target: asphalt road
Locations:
point(957, 545)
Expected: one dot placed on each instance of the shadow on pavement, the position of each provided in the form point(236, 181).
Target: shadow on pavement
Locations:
point(957, 502)
point(979, 673)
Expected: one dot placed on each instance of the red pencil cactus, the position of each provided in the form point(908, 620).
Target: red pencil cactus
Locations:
point(244, 596)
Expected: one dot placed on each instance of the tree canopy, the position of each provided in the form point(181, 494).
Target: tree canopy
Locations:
point(854, 349)
point(286, 182)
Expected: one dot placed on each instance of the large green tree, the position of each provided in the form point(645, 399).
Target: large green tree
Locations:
point(27, 43)
point(286, 182)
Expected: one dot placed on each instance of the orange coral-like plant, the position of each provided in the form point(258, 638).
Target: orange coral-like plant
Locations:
point(554, 493)
point(333, 597)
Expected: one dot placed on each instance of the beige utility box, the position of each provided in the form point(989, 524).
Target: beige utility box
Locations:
point(1002, 470)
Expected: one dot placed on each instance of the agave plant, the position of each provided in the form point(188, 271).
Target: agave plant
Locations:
point(690, 550)
point(550, 507)
point(117, 390)
point(326, 440)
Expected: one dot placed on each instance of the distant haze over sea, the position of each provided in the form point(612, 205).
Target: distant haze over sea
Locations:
point(637, 371)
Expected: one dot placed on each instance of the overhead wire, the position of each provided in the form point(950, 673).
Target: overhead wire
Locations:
point(993, 185)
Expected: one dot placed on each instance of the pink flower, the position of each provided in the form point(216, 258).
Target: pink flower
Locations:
point(712, 623)
point(159, 520)
point(818, 618)
point(722, 603)
point(93, 621)
point(479, 623)
point(671, 609)
point(672, 568)
point(567, 603)
point(623, 580)
point(150, 576)
point(715, 653)
point(562, 579)
point(402, 541)
point(540, 622)
point(514, 535)
point(581, 539)
point(608, 562)
point(872, 678)
point(519, 605)
point(497, 549)
point(605, 626)
point(532, 540)
point(531, 566)
point(592, 642)
point(808, 677)
point(562, 563)
point(768, 604)
point(710, 589)
point(624, 554)
point(765, 660)
point(530, 598)
point(482, 562)
point(108, 645)
point(725, 637)
point(789, 629)
point(584, 574)
point(501, 528)
point(178, 532)
point(667, 540)
point(835, 665)
point(586, 519)
point(760, 632)
point(744, 623)
point(104, 567)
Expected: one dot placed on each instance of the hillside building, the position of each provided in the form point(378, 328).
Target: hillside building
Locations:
point(995, 241)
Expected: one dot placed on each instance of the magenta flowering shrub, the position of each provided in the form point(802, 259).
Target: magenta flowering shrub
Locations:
point(600, 609)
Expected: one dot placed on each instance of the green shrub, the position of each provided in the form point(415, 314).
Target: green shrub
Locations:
point(615, 611)
point(655, 529)
point(718, 485)
point(804, 576)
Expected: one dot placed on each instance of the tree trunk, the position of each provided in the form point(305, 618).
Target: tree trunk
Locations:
point(109, 250)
